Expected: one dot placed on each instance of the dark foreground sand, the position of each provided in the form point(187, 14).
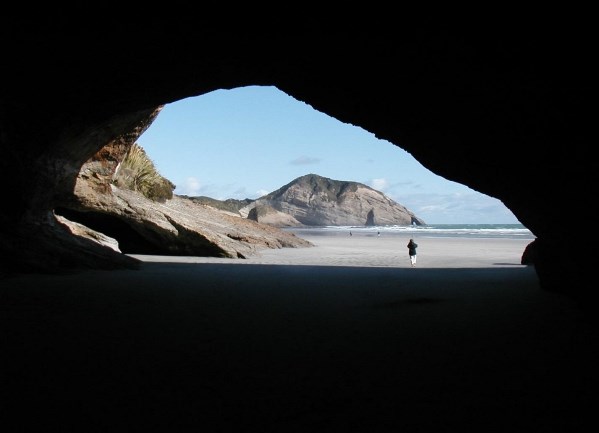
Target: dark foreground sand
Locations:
point(347, 341)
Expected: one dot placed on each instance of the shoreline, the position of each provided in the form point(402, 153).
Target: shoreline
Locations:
point(379, 251)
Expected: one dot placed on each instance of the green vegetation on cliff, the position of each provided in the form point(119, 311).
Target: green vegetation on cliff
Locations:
point(229, 205)
point(138, 173)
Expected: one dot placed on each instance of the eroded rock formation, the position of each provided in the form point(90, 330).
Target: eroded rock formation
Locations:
point(506, 113)
point(179, 227)
point(174, 226)
point(314, 200)
point(266, 214)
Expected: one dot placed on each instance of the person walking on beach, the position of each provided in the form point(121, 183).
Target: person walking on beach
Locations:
point(412, 251)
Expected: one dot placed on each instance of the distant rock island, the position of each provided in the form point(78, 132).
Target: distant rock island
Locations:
point(313, 200)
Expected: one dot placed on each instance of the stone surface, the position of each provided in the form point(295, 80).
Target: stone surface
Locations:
point(182, 227)
point(266, 214)
point(85, 232)
point(529, 256)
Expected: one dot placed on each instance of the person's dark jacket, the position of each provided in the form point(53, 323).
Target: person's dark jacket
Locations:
point(412, 248)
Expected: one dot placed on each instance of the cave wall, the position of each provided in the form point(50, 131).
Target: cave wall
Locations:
point(507, 115)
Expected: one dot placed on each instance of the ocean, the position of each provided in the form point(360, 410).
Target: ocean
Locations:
point(479, 231)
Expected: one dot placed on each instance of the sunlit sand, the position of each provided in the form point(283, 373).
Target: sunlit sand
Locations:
point(380, 251)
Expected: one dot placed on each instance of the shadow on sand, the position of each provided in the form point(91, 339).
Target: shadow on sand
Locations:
point(182, 347)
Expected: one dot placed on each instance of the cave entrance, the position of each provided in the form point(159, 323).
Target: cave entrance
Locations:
point(246, 142)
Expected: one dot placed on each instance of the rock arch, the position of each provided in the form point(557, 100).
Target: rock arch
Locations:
point(492, 113)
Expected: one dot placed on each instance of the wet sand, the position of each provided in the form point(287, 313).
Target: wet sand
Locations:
point(343, 336)
point(380, 251)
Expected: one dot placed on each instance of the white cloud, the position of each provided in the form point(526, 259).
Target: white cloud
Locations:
point(379, 184)
point(240, 192)
point(191, 187)
point(457, 208)
point(304, 160)
point(262, 192)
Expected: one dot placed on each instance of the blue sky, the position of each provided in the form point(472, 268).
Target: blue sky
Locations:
point(247, 142)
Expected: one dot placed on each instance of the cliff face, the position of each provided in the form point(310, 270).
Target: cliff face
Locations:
point(313, 200)
point(178, 226)
point(125, 221)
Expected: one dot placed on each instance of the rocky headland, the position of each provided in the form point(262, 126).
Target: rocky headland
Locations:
point(317, 201)
point(313, 200)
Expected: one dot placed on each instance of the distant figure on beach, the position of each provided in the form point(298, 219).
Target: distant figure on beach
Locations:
point(350, 233)
point(412, 251)
point(378, 233)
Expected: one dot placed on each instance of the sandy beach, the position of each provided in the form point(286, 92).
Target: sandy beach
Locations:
point(342, 336)
point(371, 250)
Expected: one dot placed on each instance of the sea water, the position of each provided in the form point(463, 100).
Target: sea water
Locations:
point(505, 231)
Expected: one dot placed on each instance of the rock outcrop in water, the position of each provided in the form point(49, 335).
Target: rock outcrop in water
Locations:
point(312, 200)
